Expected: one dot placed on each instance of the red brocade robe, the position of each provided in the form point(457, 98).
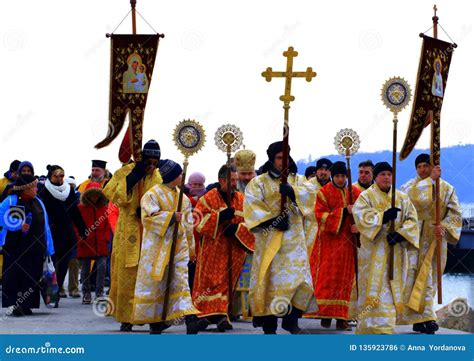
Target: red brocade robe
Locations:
point(332, 258)
point(211, 280)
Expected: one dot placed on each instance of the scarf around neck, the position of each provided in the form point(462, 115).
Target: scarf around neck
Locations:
point(59, 192)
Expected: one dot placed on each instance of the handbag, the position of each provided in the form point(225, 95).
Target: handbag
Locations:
point(48, 283)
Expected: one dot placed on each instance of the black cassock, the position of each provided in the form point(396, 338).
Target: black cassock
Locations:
point(23, 257)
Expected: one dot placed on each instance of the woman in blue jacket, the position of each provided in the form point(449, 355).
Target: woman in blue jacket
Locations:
point(26, 241)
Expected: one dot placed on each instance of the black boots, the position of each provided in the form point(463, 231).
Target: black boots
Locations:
point(224, 325)
point(290, 321)
point(191, 322)
point(428, 327)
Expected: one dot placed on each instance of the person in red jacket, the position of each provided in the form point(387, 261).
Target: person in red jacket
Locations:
point(93, 207)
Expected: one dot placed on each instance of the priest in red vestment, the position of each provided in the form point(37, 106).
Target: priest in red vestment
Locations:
point(221, 227)
point(332, 258)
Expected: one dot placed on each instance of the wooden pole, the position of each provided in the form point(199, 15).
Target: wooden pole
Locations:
point(229, 245)
point(394, 192)
point(173, 244)
point(133, 4)
point(435, 162)
point(286, 155)
point(355, 237)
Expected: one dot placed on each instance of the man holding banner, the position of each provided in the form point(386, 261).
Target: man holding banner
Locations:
point(420, 190)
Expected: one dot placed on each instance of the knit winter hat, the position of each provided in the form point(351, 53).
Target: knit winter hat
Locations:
point(169, 170)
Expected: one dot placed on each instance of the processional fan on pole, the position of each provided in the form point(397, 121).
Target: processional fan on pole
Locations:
point(229, 138)
point(347, 143)
point(396, 95)
point(189, 137)
point(289, 74)
point(435, 61)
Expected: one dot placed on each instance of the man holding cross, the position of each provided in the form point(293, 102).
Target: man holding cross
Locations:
point(280, 280)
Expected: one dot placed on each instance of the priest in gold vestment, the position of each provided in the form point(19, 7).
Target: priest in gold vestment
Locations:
point(382, 302)
point(160, 216)
point(280, 281)
point(421, 192)
point(123, 190)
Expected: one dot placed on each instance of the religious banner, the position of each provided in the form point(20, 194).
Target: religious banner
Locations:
point(429, 93)
point(132, 63)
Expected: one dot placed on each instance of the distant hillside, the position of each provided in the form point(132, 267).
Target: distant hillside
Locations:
point(457, 165)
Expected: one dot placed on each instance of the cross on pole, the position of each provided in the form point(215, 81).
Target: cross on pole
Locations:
point(289, 74)
point(286, 98)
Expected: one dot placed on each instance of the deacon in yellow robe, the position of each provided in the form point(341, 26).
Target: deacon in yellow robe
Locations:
point(421, 192)
point(159, 218)
point(123, 190)
point(280, 281)
point(381, 303)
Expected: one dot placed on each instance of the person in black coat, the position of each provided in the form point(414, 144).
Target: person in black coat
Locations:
point(25, 246)
point(61, 204)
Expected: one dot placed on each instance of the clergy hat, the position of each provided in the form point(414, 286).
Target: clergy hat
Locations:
point(381, 167)
point(275, 148)
point(422, 158)
point(323, 163)
point(311, 170)
point(98, 163)
point(169, 170)
point(272, 150)
point(338, 168)
point(24, 182)
point(245, 160)
point(151, 149)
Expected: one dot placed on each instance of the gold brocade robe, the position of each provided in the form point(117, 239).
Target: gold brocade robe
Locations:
point(280, 274)
point(381, 302)
point(421, 193)
point(127, 241)
point(158, 207)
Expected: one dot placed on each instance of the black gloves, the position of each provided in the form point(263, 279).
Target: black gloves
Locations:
point(226, 215)
point(281, 223)
point(390, 214)
point(394, 238)
point(230, 230)
point(135, 175)
point(287, 190)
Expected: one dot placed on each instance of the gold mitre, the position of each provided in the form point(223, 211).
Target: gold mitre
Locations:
point(245, 160)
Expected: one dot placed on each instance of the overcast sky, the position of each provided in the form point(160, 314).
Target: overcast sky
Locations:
point(56, 58)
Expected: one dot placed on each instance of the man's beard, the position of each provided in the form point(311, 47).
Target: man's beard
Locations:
point(97, 179)
point(323, 182)
point(244, 183)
